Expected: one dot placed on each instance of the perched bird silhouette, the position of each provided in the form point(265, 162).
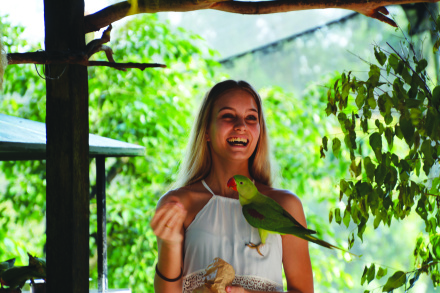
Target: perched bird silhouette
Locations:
point(265, 214)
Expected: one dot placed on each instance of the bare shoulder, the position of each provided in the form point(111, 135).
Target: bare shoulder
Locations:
point(187, 195)
point(285, 198)
point(175, 195)
point(282, 196)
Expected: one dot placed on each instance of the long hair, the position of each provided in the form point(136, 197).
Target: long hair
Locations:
point(197, 162)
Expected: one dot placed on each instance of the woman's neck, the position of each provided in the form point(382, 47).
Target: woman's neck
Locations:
point(220, 174)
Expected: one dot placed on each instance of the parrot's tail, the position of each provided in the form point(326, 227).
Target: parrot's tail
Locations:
point(325, 244)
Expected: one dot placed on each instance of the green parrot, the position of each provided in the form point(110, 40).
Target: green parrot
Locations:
point(267, 215)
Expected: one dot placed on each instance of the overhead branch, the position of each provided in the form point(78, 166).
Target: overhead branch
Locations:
point(123, 66)
point(78, 57)
point(371, 8)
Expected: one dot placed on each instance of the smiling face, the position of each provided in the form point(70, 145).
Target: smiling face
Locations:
point(234, 128)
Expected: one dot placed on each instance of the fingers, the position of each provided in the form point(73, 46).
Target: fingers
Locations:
point(167, 223)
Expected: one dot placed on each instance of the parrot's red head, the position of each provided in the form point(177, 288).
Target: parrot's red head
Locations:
point(232, 184)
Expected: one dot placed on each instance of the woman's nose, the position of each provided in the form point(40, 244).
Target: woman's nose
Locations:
point(240, 124)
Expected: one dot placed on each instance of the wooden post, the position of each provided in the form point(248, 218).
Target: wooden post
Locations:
point(67, 152)
point(102, 224)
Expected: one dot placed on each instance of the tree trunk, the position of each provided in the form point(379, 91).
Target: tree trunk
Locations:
point(67, 129)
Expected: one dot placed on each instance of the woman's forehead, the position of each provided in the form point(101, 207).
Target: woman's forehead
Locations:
point(236, 98)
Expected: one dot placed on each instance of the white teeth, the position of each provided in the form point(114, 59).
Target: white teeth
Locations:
point(237, 140)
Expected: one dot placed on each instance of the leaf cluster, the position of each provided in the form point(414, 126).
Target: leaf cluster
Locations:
point(391, 133)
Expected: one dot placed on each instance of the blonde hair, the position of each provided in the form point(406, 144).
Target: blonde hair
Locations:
point(197, 162)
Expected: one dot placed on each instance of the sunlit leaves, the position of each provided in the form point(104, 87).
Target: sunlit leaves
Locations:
point(395, 281)
point(395, 104)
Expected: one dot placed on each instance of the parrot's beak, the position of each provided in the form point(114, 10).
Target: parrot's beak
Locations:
point(232, 184)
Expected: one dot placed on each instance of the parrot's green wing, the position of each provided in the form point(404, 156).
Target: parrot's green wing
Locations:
point(266, 214)
point(273, 219)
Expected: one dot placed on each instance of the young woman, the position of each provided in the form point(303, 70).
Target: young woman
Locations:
point(201, 219)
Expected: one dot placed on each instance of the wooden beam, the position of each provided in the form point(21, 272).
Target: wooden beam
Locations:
point(110, 14)
point(67, 129)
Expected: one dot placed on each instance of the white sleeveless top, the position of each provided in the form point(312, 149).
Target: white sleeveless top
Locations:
point(220, 230)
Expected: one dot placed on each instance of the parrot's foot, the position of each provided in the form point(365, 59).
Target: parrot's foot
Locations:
point(256, 246)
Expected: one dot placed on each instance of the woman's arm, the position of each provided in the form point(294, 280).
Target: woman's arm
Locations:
point(296, 258)
point(167, 224)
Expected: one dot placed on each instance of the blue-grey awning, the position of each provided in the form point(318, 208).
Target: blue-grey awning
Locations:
point(22, 139)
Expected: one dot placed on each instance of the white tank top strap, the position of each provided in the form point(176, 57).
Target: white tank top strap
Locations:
point(207, 187)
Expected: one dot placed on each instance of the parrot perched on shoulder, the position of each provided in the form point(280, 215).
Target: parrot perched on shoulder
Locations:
point(265, 214)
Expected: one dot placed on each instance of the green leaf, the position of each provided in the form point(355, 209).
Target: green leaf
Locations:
point(421, 65)
point(406, 76)
point(376, 145)
point(436, 97)
point(389, 136)
point(364, 125)
point(395, 281)
point(381, 273)
point(380, 174)
point(380, 56)
point(374, 75)
point(416, 116)
point(338, 218)
point(343, 185)
point(393, 61)
point(324, 143)
point(427, 149)
point(360, 98)
point(371, 273)
point(435, 244)
point(336, 146)
point(407, 129)
point(369, 168)
point(346, 218)
point(364, 275)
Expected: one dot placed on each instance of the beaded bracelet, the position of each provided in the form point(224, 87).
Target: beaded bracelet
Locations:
point(166, 279)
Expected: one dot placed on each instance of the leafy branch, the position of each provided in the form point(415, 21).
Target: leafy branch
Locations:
point(382, 185)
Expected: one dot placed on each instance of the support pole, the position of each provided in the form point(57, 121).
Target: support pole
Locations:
point(67, 129)
point(102, 230)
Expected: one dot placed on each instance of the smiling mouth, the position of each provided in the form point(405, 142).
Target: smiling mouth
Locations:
point(237, 141)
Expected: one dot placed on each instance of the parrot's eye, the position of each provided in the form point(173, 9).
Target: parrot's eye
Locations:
point(241, 182)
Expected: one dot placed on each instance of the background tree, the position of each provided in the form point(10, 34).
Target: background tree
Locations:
point(397, 104)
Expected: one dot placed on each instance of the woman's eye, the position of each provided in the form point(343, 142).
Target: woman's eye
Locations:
point(227, 116)
point(252, 117)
